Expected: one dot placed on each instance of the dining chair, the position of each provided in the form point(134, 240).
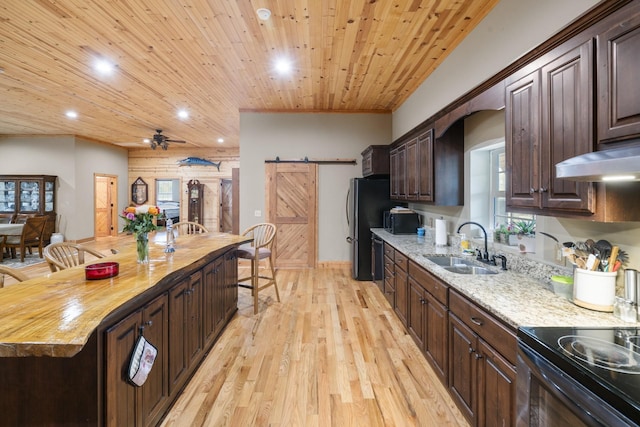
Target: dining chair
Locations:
point(188, 227)
point(64, 255)
point(7, 271)
point(21, 218)
point(31, 237)
point(261, 248)
point(3, 240)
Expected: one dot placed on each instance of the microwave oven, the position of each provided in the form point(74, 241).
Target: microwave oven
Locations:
point(401, 223)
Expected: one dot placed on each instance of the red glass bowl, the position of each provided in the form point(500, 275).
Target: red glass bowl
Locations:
point(101, 270)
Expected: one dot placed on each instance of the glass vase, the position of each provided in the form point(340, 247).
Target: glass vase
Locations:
point(142, 248)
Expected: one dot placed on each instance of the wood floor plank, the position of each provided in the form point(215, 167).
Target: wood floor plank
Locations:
point(331, 353)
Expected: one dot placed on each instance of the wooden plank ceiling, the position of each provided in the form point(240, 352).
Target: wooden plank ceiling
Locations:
point(213, 58)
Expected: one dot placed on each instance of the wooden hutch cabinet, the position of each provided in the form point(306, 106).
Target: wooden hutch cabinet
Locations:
point(30, 195)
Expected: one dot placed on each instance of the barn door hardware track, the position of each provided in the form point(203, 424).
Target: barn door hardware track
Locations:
point(317, 161)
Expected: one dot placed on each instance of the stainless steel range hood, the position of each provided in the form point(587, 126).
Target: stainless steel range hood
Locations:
point(618, 164)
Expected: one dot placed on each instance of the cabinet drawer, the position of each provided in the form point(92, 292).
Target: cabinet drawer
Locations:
point(388, 264)
point(432, 285)
point(389, 250)
point(499, 336)
point(400, 260)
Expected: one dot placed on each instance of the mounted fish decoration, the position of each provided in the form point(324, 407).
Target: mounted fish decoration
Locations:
point(197, 161)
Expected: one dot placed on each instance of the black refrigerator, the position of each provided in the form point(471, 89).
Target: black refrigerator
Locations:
point(366, 202)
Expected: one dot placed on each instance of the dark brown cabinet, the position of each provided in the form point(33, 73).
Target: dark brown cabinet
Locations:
point(398, 172)
point(389, 274)
point(401, 286)
point(127, 404)
point(482, 354)
point(427, 320)
point(548, 116)
point(213, 299)
point(30, 195)
point(424, 169)
point(230, 284)
point(412, 169)
point(185, 332)
point(375, 160)
point(425, 166)
point(618, 62)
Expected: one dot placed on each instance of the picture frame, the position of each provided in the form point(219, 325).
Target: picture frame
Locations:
point(139, 191)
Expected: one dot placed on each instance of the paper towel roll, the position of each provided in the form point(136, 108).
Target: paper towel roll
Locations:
point(441, 232)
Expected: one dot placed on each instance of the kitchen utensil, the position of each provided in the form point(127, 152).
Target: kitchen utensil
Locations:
point(604, 247)
point(614, 256)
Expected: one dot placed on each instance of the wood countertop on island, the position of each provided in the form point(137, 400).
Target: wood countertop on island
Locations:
point(54, 315)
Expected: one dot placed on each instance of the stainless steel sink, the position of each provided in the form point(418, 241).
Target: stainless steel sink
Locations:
point(445, 261)
point(459, 265)
point(469, 269)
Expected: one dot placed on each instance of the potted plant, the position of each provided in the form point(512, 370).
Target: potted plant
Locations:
point(524, 235)
point(502, 234)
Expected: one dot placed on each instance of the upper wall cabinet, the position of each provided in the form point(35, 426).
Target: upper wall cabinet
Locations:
point(425, 169)
point(375, 160)
point(618, 83)
point(548, 116)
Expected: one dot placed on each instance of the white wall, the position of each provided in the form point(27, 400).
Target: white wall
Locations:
point(74, 162)
point(263, 136)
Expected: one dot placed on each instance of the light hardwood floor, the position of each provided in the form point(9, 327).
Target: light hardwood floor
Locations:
point(332, 353)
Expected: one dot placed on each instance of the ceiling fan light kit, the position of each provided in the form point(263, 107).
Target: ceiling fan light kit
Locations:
point(162, 141)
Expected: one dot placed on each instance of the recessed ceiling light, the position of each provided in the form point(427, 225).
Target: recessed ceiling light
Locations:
point(183, 114)
point(71, 114)
point(103, 66)
point(263, 13)
point(283, 66)
point(220, 140)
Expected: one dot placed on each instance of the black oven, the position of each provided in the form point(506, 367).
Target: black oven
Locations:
point(578, 377)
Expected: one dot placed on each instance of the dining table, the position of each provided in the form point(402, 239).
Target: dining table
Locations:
point(9, 230)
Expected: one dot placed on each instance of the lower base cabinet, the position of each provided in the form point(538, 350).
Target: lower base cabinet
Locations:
point(471, 351)
point(481, 380)
point(128, 405)
point(182, 323)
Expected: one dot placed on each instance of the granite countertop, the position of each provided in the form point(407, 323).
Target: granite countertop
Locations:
point(519, 296)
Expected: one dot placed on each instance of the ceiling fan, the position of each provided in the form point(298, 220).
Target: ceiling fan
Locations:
point(162, 141)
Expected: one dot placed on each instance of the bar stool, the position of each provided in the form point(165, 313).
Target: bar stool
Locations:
point(259, 249)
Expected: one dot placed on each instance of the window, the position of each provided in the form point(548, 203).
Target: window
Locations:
point(498, 204)
point(167, 190)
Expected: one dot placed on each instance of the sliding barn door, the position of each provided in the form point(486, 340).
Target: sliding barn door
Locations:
point(291, 203)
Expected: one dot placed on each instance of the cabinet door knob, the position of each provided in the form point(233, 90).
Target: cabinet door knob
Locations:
point(542, 190)
point(471, 350)
point(532, 190)
point(478, 356)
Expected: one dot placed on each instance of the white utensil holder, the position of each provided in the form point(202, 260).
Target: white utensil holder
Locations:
point(594, 290)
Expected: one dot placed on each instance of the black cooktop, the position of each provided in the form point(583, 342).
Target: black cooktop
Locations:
point(605, 360)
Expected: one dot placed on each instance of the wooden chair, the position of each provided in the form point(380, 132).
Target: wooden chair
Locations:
point(259, 249)
point(3, 239)
point(64, 255)
point(20, 277)
point(188, 227)
point(31, 237)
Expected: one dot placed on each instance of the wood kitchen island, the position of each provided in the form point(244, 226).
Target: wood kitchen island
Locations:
point(65, 342)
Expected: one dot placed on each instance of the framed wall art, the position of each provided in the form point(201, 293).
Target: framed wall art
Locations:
point(139, 191)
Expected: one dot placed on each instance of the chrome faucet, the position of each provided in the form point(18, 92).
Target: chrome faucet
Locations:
point(481, 257)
